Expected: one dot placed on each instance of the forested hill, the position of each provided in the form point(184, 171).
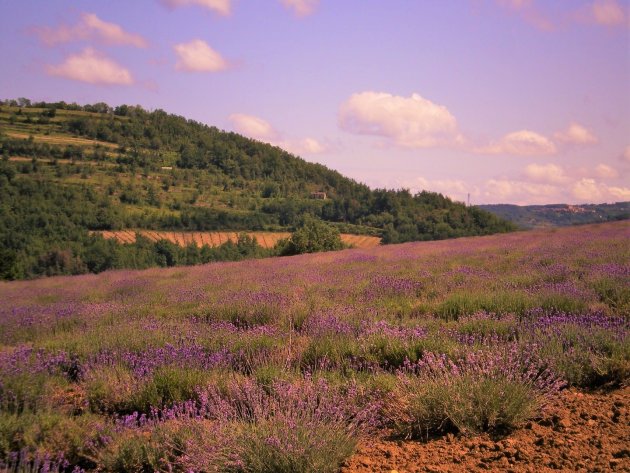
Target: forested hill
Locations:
point(558, 215)
point(125, 167)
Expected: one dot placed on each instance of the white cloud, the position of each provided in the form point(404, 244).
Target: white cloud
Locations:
point(608, 13)
point(90, 27)
point(576, 134)
point(412, 122)
point(520, 192)
point(301, 7)
point(261, 130)
point(588, 190)
point(198, 56)
point(305, 146)
point(254, 127)
point(546, 173)
point(456, 189)
point(223, 7)
point(91, 67)
point(522, 143)
point(604, 171)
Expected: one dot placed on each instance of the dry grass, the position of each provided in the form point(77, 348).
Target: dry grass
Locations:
point(61, 140)
point(213, 239)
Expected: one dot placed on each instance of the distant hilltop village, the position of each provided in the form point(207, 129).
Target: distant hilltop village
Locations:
point(531, 216)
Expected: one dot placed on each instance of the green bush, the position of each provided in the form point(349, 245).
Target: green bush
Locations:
point(313, 235)
point(275, 446)
point(153, 449)
point(468, 303)
point(469, 404)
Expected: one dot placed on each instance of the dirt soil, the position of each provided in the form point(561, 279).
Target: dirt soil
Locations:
point(582, 432)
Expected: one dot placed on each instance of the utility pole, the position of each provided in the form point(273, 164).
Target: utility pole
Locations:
point(469, 199)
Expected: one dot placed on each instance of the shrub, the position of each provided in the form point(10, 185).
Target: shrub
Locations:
point(614, 293)
point(152, 448)
point(167, 386)
point(460, 303)
point(313, 235)
point(482, 391)
point(329, 352)
point(587, 350)
point(302, 427)
point(110, 389)
point(45, 433)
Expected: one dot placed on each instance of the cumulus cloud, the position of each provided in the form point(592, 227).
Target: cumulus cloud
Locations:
point(546, 173)
point(254, 127)
point(261, 130)
point(222, 7)
point(576, 134)
point(92, 67)
point(90, 27)
point(589, 190)
point(301, 7)
point(305, 146)
point(608, 13)
point(529, 12)
point(605, 171)
point(412, 122)
point(456, 189)
point(521, 143)
point(520, 192)
point(198, 56)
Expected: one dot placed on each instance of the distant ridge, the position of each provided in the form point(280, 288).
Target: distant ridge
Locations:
point(559, 215)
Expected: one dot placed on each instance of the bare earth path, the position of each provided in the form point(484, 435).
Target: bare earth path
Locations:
point(583, 432)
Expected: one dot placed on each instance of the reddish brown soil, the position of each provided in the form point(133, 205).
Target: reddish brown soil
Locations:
point(583, 432)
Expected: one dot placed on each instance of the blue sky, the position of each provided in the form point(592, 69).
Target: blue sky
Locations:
point(512, 101)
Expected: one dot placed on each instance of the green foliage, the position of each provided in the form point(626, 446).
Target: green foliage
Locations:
point(589, 358)
point(154, 449)
point(614, 293)
point(326, 352)
point(500, 302)
point(312, 236)
point(468, 404)
point(322, 448)
point(47, 431)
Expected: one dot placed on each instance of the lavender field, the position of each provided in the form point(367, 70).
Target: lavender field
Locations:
point(285, 364)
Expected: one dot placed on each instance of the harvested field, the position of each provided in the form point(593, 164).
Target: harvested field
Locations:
point(264, 239)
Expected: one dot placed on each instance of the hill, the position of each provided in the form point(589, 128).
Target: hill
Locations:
point(558, 215)
point(69, 169)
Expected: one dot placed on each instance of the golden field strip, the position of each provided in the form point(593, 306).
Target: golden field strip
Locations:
point(213, 239)
point(61, 139)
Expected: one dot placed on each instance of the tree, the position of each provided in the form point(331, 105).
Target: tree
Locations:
point(311, 236)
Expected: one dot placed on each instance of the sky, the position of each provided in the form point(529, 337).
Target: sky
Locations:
point(508, 101)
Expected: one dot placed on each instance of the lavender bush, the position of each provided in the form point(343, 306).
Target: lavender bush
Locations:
point(483, 390)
